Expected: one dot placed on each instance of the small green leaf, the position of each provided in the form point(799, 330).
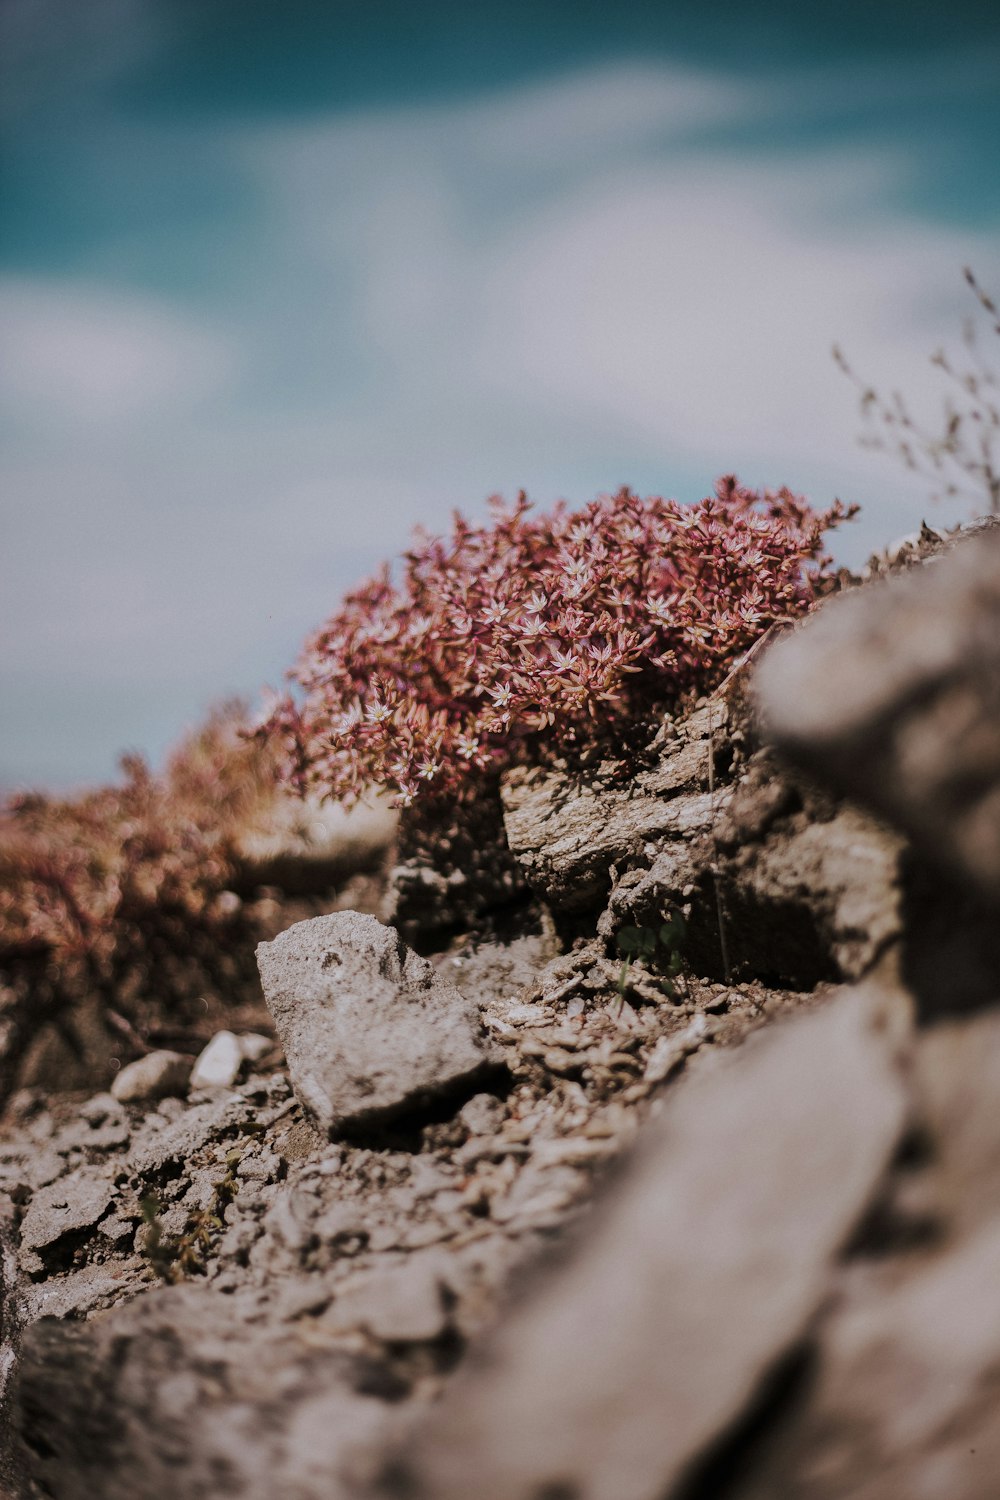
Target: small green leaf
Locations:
point(673, 930)
point(629, 940)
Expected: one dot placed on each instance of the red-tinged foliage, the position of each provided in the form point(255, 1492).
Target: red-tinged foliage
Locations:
point(79, 876)
point(120, 896)
point(542, 635)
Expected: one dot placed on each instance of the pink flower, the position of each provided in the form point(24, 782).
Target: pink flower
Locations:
point(538, 634)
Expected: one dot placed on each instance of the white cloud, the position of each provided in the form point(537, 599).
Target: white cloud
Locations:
point(79, 353)
point(696, 306)
point(577, 120)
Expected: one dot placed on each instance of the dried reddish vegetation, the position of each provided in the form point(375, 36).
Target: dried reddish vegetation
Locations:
point(75, 874)
point(122, 893)
point(543, 634)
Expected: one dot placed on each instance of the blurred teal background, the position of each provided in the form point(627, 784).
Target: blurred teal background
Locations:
point(279, 281)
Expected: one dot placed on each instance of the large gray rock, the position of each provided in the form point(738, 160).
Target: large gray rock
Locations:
point(892, 693)
point(567, 830)
point(703, 1269)
point(907, 1401)
point(904, 1398)
point(369, 1029)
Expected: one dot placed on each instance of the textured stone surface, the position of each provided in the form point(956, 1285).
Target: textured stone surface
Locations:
point(845, 872)
point(703, 1270)
point(567, 830)
point(152, 1077)
point(70, 1204)
point(369, 1029)
point(893, 693)
point(907, 1401)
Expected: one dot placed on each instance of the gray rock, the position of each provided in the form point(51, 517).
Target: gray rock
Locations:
point(482, 1114)
point(220, 1064)
point(957, 1085)
point(704, 1267)
point(368, 1028)
point(843, 872)
point(893, 694)
point(566, 830)
point(152, 1077)
point(254, 1045)
point(402, 1303)
point(163, 1143)
point(73, 1203)
point(185, 1392)
point(908, 1394)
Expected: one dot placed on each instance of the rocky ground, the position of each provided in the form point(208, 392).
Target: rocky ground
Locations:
point(517, 1217)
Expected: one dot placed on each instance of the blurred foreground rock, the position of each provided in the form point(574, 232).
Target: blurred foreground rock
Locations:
point(702, 1272)
point(893, 694)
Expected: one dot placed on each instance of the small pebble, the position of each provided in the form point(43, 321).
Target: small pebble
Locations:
point(154, 1076)
point(219, 1064)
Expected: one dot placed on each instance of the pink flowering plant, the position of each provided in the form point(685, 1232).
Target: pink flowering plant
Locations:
point(542, 635)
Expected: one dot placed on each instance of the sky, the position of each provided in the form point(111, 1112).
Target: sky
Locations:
point(281, 280)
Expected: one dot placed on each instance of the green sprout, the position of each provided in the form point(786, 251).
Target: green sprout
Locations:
point(173, 1260)
point(646, 945)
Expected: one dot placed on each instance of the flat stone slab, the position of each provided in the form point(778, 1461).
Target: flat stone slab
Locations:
point(369, 1029)
point(72, 1203)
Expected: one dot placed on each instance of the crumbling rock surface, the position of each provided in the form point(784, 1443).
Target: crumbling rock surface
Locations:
point(776, 882)
point(808, 899)
point(62, 1209)
point(367, 1025)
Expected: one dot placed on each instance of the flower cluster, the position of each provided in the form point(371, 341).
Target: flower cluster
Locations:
point(542, 634)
